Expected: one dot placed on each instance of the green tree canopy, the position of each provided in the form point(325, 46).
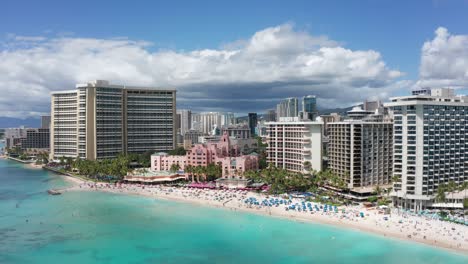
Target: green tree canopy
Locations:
point(179, 151)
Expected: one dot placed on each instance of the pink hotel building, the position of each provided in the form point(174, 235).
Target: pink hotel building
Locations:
point(221, 153)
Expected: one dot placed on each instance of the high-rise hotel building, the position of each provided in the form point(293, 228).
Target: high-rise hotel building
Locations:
point(99, 120)
point(360, 151)
point(295, 145)
point(430, 145)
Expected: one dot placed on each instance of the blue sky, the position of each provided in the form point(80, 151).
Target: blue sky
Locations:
point(396, 30)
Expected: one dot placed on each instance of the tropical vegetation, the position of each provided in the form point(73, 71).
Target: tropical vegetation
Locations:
point(209, 173)
point(107, 169)
point(262, 155)
point(281, 180)
point(179, 151)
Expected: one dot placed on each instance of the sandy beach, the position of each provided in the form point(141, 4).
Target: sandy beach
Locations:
point(396, 225)
point(33, 166)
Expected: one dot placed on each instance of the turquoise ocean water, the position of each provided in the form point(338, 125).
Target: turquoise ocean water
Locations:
point(82, 227)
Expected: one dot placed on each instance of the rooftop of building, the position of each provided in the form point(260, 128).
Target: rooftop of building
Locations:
point(236, 126)
point(150, 173)
point(442, 95)
point(64, 92)
point(426, 99)
point(299, 122)
point(107, 84)
point(160, 154)
point(361, 121)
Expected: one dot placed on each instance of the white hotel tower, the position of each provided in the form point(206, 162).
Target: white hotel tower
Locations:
point(293, 143)
point(430, 145)
point(98, 120)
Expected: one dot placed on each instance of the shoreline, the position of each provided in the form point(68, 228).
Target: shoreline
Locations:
point(29, 164)
point(371, 224)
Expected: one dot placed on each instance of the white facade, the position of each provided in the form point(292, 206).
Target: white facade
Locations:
point(185, 120)
point(64, 124)
point(19, 132)
point(287, 108)
point(206, 121)
point(430, 146)
point(99, 121)
point(291, 144)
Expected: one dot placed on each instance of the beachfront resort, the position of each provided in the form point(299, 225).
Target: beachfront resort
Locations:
point(363, 170)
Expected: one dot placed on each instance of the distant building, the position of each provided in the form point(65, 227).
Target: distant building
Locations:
point(191, 137)
point(430, 146)
point(421, 91)
point(326, 119)
point(287, 108)
point(45, 121)
point(439, 92)
point(238, 131)
point(309, 108)
point(37, 139)
point(177, 123)
point(206, 121)
point(357, 113)
point(184, 121)
point(252, 123)
point(221, 152)
point(372, 105)
point(270, 115)
point(262, 129)
point(98, 120)
point(295, 146)
point(28, 138)
point(13, 137)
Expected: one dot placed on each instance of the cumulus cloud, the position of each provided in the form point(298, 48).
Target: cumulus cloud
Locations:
point(249, 75)
point(444, 61)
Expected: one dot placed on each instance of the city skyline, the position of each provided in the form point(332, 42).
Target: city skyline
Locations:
point(271, 58)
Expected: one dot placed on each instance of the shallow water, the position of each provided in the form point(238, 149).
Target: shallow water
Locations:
point(89, 227)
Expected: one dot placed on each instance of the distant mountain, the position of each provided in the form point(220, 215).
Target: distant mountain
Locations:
point(341, 111)
point(7, 122)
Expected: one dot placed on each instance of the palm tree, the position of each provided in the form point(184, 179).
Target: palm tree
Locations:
point(464, 187)
point(452, 187)
point(440, 196)
point(69, 161)
point(62, 160)
point(198, 172)
point(307, 166)
point(203, 170)
point(378, 190)
point(175, 167)
point(251, 175)
point(189, 170)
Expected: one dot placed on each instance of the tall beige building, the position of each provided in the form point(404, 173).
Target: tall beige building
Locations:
point(360, 149)
point(99, 120)
point(360, 152)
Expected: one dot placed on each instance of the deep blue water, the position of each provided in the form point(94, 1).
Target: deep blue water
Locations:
point(89, 227)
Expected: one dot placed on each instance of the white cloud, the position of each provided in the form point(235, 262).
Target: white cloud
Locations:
point(248, 75)
point(444, 61)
